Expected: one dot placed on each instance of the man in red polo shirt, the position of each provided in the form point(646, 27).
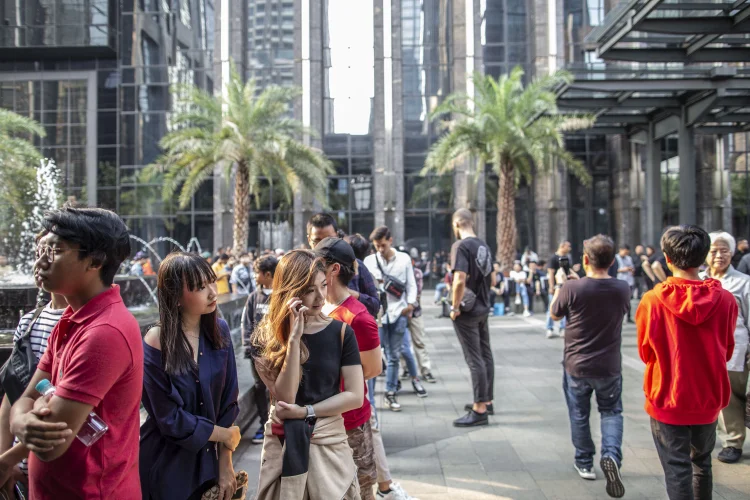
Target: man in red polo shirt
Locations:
point(94, 359)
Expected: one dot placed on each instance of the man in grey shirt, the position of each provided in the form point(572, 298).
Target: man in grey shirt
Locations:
point(626, 271)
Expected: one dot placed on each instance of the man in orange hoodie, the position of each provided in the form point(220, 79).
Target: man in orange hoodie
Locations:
point(685, 337)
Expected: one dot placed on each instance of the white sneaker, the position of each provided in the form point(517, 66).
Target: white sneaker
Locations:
point(587, 474)
point(518, 300)
point(551, 334)
point(526, 314)
point(562, 332)
point(396, 493)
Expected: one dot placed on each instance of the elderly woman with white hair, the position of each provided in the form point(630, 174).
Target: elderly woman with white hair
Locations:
point(732, 418)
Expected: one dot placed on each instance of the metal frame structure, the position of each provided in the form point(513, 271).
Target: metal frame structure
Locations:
point(685, 73)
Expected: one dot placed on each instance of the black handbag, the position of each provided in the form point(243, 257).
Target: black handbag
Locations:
point(16, 373)
point(469, 301)
point(392, 285)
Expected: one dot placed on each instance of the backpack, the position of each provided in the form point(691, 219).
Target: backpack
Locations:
point(16, 373)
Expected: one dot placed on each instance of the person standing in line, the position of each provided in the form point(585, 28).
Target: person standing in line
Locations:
point(242, 276)
point(743, 248)
point(732, 418)
point(189, 388)
point(561, 258)
point(394, 271)
point(255, 310)
point(471, 260)
point(686, 337)
point(94, 360)
point(362, 286)
point(626, 271)
point(222, 276)
point(311, 365)
point(594, 307)
point(416, 332)
point(38, 325)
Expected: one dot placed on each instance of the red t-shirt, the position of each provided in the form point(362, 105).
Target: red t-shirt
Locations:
point(354, 313)
point(95, 356)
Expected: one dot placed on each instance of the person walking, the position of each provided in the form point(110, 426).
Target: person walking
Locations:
point(255, 310)
point(560, 259)
point(626, 271)
point(731, 424)
point(311, 365)
point(189, 388)
point(594, 307)
point(686, 337)
point(393, 269)
point(471, 261)
point(94, 360)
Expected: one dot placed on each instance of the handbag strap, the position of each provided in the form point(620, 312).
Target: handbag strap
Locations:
point(34, 317)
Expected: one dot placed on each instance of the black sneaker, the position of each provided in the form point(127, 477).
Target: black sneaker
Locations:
point(398, 386)
point(611, 470)
point(418, 388)
point(427, 377)
point(472, 419)
point(490, 408)
point(389, 400)
point(730, 455)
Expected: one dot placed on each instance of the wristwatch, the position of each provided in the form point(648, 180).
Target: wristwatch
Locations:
point(310, 418)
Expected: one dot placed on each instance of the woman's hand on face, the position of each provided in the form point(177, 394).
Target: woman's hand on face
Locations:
point(286, 411)
point(297, 318)
point(227, 481)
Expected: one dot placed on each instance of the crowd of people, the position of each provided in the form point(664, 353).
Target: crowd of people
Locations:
point(320, 326)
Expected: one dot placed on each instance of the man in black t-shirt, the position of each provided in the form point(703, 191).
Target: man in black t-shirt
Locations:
point(471, 261)
point(594, 307)
point(563, 251)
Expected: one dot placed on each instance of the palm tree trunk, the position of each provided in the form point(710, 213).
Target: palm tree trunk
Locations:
point(241, 209)
point(506, 217)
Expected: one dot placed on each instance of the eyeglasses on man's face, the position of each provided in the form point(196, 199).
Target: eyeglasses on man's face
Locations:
point(51, 252)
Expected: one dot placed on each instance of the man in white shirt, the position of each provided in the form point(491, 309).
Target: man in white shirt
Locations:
point(394, 271)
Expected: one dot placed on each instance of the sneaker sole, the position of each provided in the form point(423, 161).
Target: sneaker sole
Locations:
point(257, 441)
point(615, 488)
point(585, 478)
point(394, 409)
point(726, 461)
point(422, 395)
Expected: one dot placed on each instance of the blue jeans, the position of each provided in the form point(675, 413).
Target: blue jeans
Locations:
point(609, 400)
point(411, 363)
point(392, 340)
point(550, 323)
point(524, 293)
point(439, 290)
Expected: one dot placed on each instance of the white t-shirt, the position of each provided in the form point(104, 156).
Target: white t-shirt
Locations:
point(518, 276)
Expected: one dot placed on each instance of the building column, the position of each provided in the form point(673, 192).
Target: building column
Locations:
point(308, 108)
point(686, 155)
point(653, 188)
point(714, 200)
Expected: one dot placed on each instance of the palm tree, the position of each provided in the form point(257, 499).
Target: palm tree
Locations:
point(19, 159)
point(513, 128)
point(246, 133)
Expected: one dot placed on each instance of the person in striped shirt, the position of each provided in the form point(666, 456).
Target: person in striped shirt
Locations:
point(13, 465)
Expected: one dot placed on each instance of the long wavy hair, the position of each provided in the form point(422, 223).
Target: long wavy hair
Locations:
point(295, 274)
point(176, 271)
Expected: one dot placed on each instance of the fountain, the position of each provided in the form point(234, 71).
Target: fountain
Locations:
point(197, 245)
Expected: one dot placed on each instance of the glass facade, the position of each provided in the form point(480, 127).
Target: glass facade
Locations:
point(270, 37)
point(505, 36)
point(104, 113)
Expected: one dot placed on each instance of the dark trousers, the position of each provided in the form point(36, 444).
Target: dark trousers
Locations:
point(578, 393)
point(259, 395)
point(685, 454)
point(474, 336)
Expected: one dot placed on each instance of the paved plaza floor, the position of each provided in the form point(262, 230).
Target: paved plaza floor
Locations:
point(525, 453)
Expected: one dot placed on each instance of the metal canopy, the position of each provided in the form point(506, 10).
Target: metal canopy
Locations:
point(625, 101)
point(674, 31)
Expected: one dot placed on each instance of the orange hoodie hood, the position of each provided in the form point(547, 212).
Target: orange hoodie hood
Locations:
point(691, 301)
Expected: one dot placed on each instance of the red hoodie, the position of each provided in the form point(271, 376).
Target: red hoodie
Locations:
point(686, 337)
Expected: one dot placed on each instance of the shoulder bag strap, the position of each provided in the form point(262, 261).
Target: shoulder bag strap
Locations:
point(27, 332)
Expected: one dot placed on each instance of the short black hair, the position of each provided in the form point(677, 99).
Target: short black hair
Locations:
point(321, 220)
point(359, 244)
point(224, 257)
point(649, 247)
point(380, 233)
point(345, 274)
point(600, 250)
point(100, 234)
point(624, 247)
point(686, 246)
point(266, 264)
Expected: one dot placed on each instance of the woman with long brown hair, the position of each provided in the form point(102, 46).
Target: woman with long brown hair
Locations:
point(311, 366)
point(189, 388)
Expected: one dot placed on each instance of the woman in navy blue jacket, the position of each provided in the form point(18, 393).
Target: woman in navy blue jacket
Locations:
point(189, 388)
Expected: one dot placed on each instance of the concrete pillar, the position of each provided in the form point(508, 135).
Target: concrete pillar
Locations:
point(653, 189)
point(686, 154)
point(713, 191)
